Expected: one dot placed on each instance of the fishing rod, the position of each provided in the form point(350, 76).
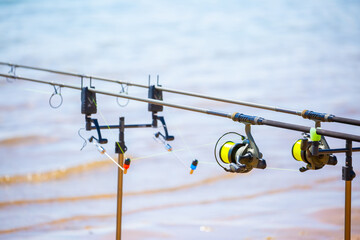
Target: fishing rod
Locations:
point(239, 156)
point(14, 66)
point(307, 114)
point(238, 117)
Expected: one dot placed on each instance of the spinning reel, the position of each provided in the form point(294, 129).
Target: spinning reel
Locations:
point(308, 150)
point(239, 156)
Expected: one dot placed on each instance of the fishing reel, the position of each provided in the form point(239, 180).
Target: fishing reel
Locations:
point(308, 150)
point(240, 155)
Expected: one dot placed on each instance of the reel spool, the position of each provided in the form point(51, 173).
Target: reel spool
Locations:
point(239, 155)
point(307, 150)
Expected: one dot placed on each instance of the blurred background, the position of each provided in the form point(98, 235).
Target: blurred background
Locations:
point(292, 54)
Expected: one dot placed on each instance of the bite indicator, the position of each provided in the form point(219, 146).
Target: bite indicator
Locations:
point(193, 166)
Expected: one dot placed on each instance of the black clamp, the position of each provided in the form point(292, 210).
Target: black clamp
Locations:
point(348, 173)
point(120, 147)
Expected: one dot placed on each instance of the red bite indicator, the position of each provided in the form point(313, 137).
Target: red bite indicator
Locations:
point(126, 165)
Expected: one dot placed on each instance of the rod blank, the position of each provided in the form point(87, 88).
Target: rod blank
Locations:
point(73, 74)
point(323, 117)
point(235, 116)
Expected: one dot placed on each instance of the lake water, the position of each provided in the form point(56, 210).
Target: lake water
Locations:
point(291, 54)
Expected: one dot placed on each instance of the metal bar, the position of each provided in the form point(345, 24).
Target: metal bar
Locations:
point(107, 127)
point(126, 126)
point(119, 197)
point(348, 179)
point(120, 181)
point(347, 230)
point(252, 119)
point(338, 150)
point(138, 126)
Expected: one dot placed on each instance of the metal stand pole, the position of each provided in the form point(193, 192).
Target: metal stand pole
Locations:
point(119, 198)
point(347, 210)
point(120, 149)
point(348, 176)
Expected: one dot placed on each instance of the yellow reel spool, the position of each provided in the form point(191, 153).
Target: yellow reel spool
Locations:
point(224, 151)
point(296, 150)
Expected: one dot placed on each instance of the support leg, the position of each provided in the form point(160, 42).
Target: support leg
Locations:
point(348, 176)
point(119, 197)
point(347, 210)
point(120, 149)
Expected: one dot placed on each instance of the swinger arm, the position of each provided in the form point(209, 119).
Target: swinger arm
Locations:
point(166, 137)
point(100, 139)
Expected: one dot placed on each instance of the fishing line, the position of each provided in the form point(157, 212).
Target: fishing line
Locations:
point(175, 155)
point(183, 141)
point(108, 126)
point(282, 169)
point(178, 158)
point(103, 151)
point(164, 153)
point(100, 148)
point(307, 114)
point(113, 161)
point(210, 163)
point(189, 149)
point(85, 141)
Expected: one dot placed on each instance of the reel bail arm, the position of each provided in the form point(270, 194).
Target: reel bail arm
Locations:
point(166, 135)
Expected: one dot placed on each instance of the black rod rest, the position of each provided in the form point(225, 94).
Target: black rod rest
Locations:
point(89, 106)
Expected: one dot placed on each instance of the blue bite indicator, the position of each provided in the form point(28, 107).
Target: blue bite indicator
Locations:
point(193, 166)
